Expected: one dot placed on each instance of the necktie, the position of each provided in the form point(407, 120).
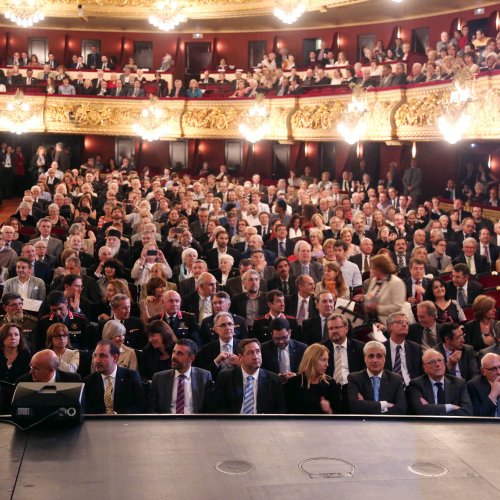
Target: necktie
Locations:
point(248, 397)
point(282, 361)
point(366, 265)
point(462, 301)
point(108, 395)
point(305, 269)
point(302, 312)
point(397, 361)
point(440, 393)
point(418, 293)
point(498, 407)
point(285, 287)
point(376, 388)
point(325, 329)
point(282, 249)
point(439, 262)
point(401, 263)
point(337, 374)
point(179, 402)
point(486, 253)
point(170, 321)
point(469, 265)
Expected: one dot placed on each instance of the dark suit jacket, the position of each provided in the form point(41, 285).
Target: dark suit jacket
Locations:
point(416, 333)
point(140, 92)
point(473, 290)
point(128, 395)
point(186, 286)
point(413, 354)
point(212, 257)
point(228, 392)
point(207, 334)
point(315, 270)
point(455, 392)
point(355, 356)
point(482, 405)
point(467, 364)
point(272, 245)
point(473, 336)
point(262, 331)
point(276, 284)
point(207, 354)
point(160, 396)
point(239, 305)
point(292, 305)
point(182, 92)
point(408, 283)
point(60, 377)
point(480, 262)
point(391, 390)
point(270, 355)
point(494, 254)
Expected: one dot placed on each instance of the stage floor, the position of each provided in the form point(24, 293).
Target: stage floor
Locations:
point(178, 459)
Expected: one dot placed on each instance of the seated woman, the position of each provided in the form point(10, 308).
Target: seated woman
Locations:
point(50, 86)
point(157, 355)
point(14, 354)
point(346, 235)
point(333, 281)
point(87, 89)
point(312, 391)
point(115, 331)
point(225, 271)
point(150, 255)
point(58, 340)
point(116, 286)
point(14, 224)
point(185, 269)
point(194, 90)
point(240, 90)
point(316, 240)
point(112, 269)
point(152, 305)
point(448, 310)
point(329, 252)
point(294, 229)
point(480, 332)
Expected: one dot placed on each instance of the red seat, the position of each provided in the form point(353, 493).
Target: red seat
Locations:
point(445, 277)
point(469, 314)
point(494, 293)
point(27, 230)
point(489, 280)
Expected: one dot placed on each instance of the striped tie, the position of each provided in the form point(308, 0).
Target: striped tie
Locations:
point(108, 395)
point(179, 402)
point(397, 361)
point(337, 374)
point(248, 397)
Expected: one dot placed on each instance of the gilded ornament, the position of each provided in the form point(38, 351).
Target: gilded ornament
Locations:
point(420, 112)
point(209, 118)
point(317, 117)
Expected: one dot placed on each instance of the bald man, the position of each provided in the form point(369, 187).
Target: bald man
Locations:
point(45, 368)
point(484, 389)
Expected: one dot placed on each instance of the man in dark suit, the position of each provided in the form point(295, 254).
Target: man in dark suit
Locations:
point(426, 331)
point(206, 78)
point(484, 389)
point(316, 329)
point(282, 354)
point(112, 389)
point(374, 390)
point(301, 305)
point(199, 303)
point(248, 388)
point(362, 259)
point(221, 302)
point(461, 288)
point(275, 300)
point(436, 393)
point(38, 269)
point(29, 79)
point(136, 90)
point(468, 231)
point(460, 358)
point(178, 90)
point(304, 264)
point(477, 264)
point(321, 78)
point(416, 284)
point(44, 367)
point(212, 256)
point(281, 246)
point(403, 356)
point(168, 394)
point(221, 353)
point(94, 58)
point(283, 280)
point(487, 249)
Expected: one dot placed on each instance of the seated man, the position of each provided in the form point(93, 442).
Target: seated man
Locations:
point(375, 390)
point(248, 388)
point(477, 264)
point(304, 263)
point(484, 389)
point(461, 288)
point(45, 368)
point(436, 393)
point(13, 307)
point(112, 389)
point(460, 358)
point(282, 354)
point(25, 284)
point(426, 331)
point(182, 389)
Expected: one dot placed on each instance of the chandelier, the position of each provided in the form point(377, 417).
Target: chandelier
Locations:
point(151, 124)
point(24, 13)
point(168, 15)
point(255, 126)
point(288, 11)
point(18, 117)
point(353, 125)
point(455, 121)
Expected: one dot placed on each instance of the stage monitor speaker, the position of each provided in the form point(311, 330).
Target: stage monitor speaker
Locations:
point(59, 403)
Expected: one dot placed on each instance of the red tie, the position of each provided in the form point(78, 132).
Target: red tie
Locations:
point(418, 295)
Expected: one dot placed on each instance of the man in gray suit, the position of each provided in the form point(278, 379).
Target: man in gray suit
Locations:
point(26, 285)
point(304, 264)
point(54, 245)
point(412, 182)
point(183, 389)
point(438, 258)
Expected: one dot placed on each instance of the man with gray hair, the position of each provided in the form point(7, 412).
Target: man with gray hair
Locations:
point(375, 390)
point(200, 302)
point(251, 303)
point(484, 389)
point(8, 257)
point(477, 264)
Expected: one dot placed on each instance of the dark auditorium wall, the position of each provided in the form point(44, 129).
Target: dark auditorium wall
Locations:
point(228, 45)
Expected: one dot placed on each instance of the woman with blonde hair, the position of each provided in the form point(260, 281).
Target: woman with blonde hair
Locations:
point(346, 235)
point(316, 240)
point(312, 390)
point(115, 331)
point(481, 331)
point(333, 282)
point(58, 340)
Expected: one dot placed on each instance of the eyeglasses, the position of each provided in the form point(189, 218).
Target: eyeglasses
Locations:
point(401, 322)
point(493, 368)
point(434, 362)
point(61, 336)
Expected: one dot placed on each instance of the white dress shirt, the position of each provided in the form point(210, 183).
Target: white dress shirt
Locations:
point(188, 393)
point(255, 384)
point(402, 352)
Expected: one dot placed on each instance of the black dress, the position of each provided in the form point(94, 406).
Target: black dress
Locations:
point(20, 367)
point(151, 363)
point(300, 399)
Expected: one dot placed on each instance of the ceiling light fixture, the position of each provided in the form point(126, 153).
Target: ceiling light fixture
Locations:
point(254, 126)
point(353, 125)
point(24, 13)
point(18, 117)
point(289, 11)
point(168, 15)
point(151, 124)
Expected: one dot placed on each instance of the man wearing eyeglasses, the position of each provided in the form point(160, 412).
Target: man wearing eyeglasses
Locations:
point(44, 367)
point(404, 357)
point(436, 393)
point(484, 389)
point(460, 358)
point(13, 307)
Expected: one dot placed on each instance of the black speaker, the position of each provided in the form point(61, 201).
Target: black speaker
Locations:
point(59, 403)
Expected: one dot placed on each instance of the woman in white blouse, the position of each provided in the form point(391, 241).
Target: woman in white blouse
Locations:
point(58, 341)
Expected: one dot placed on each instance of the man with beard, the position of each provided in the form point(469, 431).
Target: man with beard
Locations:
point(113, 241)
point(13, 306)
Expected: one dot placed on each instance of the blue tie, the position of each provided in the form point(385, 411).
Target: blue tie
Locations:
point(248, 397)
point(376, 388)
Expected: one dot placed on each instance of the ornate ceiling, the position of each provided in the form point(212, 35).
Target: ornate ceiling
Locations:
point(239, 15)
